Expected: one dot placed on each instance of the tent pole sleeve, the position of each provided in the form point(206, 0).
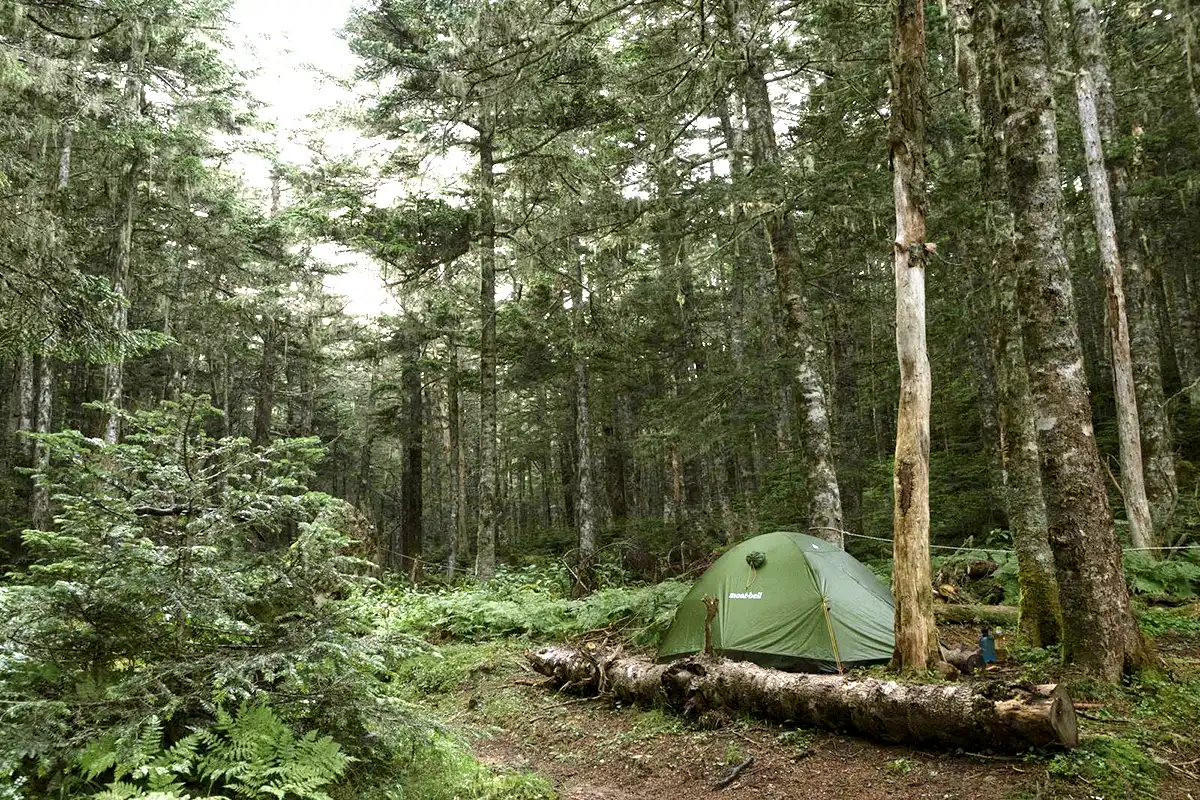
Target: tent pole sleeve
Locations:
point(832, 638)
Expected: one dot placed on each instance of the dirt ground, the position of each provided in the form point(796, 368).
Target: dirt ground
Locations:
point(592, 750)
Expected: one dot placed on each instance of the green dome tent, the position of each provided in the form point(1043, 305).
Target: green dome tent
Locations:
point(787, 601)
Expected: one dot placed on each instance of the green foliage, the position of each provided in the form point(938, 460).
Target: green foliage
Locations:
point(257, 754)
point(1037, 663)
point(533, 603)
point(442, 769)
point(1157, 621)
point(252, 754)
point(185, 575)
point(1166, 701)
point(448, 668)
point(652, 723)
point(800, 740)
point(1109, 765)
point(1177, 576)
point(733, 754)
point(996, 548)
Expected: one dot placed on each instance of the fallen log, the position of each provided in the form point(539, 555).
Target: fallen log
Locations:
point(977, 614)
point(965, 661)
point(973, 716)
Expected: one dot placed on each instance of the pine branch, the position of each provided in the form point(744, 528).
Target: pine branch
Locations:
point(74, 36)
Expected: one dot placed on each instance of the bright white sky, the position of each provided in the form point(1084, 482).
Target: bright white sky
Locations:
point(289, 46)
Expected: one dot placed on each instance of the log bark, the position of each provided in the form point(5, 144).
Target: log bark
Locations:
point(982, 716)
point(977, 614)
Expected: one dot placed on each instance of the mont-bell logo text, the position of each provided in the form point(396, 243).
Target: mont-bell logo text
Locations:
point(745, 595)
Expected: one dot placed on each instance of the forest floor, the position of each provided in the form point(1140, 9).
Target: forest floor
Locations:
point(1136, 742)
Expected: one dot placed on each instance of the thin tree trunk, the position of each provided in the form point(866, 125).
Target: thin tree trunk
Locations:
point(489, 510)
point(1182, 306)
point(848, 414)
point(264, 406)
point(1160, 489)
point(412, 469)
point(745, 261)
point(618, 460)
point(26, 397)
point(40, 499)
point(124, 208)
point(824, 513)
point(1099, 631)
point(459, 445)
point(585, 502)
point(450, 457)
point(1187, 17)
point(1133, 486)
point(916, 630)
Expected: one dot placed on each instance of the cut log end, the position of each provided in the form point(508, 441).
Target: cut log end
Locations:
point(1062, 713)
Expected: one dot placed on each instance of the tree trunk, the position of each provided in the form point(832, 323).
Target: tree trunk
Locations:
point(1149, 512)
point(953, 716)
point(916, 631)
point(745, 261)
point(40, 499)
point(1187, 17)
point(124, 212)
point(824, 512)
point(450, 444)
point(26, 398)
point(412, 469)
point(585, 578)
point(617, 458)
point(1183, 313)
point(489, 511)
point(264, 406)
point(1099, 631)
point(1021, 482)
point(1133, 486)
point(847, 414)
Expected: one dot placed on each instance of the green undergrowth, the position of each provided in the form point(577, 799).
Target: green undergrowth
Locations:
point(1160, 621)
point(1177, 576)
point(1132, 730)
point(445, 769)
point(232, 644)
point(1110, 766)
point(532, 602)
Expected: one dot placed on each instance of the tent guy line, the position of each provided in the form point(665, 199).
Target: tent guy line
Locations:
point(999, 550)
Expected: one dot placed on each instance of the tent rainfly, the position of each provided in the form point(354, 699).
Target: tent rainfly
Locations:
point(787, 601)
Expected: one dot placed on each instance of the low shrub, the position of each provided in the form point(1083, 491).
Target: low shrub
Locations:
point(531, 603)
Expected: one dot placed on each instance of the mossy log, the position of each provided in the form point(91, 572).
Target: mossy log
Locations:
point(972, 716)
point(977, 614)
